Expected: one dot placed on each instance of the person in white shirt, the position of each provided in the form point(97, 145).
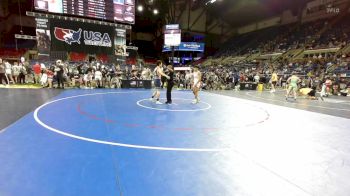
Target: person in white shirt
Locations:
point(146, 74)
point(257, 78)
point(197, 82)
point(44, 79)
point(188, 80)
point(16, 70)
point(8, 72)
point(98, 77)
point(2, 73)
point(43, 67)
point(87, 79)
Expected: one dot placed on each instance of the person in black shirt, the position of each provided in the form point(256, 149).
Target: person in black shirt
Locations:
point(59, 73)
point(170, 73)
point(163, 79)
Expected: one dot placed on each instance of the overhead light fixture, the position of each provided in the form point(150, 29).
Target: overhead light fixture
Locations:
point(140, 8)
point(210, 2)
point(155, 12)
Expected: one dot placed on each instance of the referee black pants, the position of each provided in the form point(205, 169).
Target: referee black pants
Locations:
point(60, 80)
point(168, 91)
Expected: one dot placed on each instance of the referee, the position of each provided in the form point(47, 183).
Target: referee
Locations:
point(169, 87)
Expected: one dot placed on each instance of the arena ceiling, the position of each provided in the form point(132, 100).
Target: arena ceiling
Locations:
point(242, 12)
point(235, 12)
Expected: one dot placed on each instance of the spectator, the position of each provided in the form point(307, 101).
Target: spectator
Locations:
point(3, 73)
point(37, 72)
point(98, 78)
point(50, 75)
point(22, 74)
point(16, 71)
point(8, 72)
point(257, 78)
point(44, 79)
point(59, 70)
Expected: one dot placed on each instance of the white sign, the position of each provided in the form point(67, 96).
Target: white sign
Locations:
point(132, 48)
point(172, 37)
point(172, 26)
point(182, 69)
point(42, 23)
point(18, 36)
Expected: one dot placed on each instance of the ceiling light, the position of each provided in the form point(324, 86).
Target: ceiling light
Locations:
point(155, 12)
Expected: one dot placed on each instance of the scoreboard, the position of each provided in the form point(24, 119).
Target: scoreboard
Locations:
point(90, 8)
point(172, 35)
point(111, 10)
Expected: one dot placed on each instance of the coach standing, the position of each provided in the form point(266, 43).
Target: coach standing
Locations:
point(59, 73)
point(170, 81)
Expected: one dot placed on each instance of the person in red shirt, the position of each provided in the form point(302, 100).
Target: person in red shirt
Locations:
point(37, 72)
point(50, 75)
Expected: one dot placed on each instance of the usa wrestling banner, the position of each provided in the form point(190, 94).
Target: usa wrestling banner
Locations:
point(72, 36)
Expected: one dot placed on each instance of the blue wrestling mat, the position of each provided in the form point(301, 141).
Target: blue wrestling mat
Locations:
point(105, 142)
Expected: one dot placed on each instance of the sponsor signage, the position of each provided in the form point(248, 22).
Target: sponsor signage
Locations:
point(187, 46)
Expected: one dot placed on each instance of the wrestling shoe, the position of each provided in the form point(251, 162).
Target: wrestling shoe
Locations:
point(152, 99)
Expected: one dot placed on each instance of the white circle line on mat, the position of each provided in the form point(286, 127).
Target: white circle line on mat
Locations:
point(40, 122)
point(174, 110)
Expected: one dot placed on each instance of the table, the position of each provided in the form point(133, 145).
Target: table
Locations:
point(147, 84)
point(248, 86)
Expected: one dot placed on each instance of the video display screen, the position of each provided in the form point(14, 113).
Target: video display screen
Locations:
point(172, 37)
point(112, 10)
